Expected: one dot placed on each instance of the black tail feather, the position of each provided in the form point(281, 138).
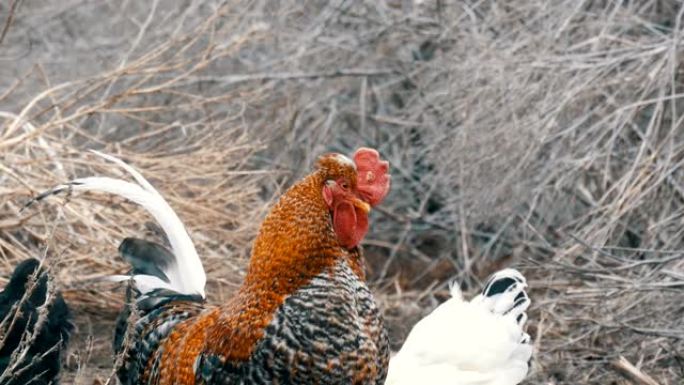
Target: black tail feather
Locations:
point(20, 303)
point(146, 257)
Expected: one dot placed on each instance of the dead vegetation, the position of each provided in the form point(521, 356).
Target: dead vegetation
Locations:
point(544, 135)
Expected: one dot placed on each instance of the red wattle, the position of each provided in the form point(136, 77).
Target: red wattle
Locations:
point(350, 224)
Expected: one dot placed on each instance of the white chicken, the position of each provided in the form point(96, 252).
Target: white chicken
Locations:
point(481, 342)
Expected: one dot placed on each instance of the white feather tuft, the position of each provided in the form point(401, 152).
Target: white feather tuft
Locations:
point(144, 283)
point(480, 342)
point(186, 275)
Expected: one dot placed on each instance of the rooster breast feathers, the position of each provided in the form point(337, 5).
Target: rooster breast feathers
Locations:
point(462, 343)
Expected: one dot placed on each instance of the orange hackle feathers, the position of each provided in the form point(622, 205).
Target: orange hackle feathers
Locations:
point(296, 242)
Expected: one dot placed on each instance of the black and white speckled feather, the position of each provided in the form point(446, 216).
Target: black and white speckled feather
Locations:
point(330, 329)
point(158, 315)
point(158, 311)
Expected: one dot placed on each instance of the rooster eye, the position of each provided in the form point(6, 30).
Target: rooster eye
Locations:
point(344, 185)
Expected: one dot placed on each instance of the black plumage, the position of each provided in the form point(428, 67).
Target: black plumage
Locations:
point(146, 257)
point(37, 361)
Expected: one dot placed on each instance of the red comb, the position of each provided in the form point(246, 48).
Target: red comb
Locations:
point(373, 180)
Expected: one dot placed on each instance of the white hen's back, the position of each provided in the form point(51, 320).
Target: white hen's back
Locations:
point(480, 342)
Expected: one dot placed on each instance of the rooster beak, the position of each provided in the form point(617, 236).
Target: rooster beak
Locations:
point(363, 206)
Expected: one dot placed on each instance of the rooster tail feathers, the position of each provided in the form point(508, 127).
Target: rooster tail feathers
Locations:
point(154, 267)
point(151, 266)
point(147, 258)
point(500, 281)
point(505, 294)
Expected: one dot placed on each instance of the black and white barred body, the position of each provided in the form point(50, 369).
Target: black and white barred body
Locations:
point(157, 311)
point(328, 332)
point(156, 318)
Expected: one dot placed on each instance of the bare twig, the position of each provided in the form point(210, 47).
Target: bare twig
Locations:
point(10, 17)
point(632, 373)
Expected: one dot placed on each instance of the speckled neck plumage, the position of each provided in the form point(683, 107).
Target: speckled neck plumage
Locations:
point(296, 243)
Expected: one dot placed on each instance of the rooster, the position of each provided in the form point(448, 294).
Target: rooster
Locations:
point(34, 328)
point(303, 314)
point(480, 342)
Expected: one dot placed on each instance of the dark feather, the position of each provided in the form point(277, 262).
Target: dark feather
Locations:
point(498, 284)
point(55, 191)
point(146, 257)
point(19, 311)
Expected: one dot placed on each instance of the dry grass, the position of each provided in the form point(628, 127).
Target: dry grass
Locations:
point(544, 135)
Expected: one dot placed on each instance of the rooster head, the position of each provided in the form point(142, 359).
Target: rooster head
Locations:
point(351, 188)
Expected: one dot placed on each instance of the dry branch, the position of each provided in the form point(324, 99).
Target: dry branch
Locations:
point(633, 373)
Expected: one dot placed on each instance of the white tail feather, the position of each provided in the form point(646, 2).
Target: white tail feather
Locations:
point(186, 275)
point(144, 283)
